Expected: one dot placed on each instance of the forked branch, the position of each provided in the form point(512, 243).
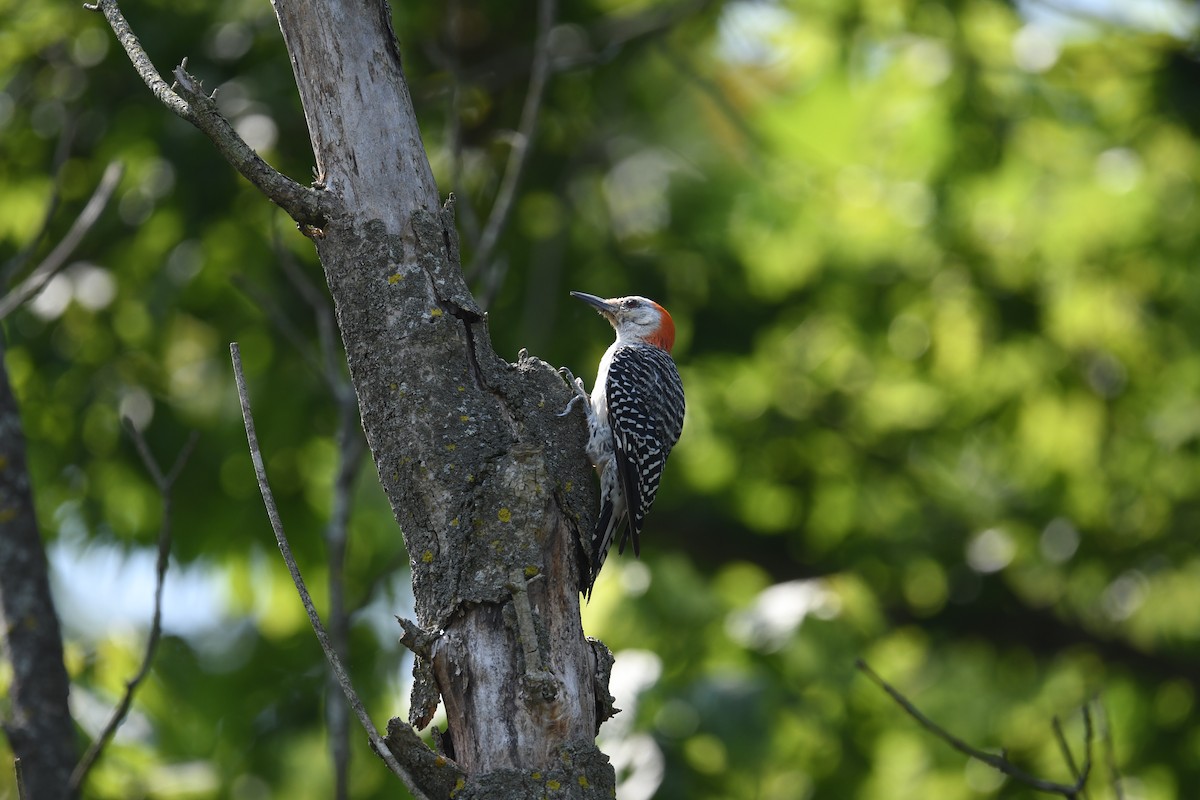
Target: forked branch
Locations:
point(308, 206)
point(999, 763)
point(164, 483)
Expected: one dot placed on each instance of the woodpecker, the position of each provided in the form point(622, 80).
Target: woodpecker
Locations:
point(635, 416)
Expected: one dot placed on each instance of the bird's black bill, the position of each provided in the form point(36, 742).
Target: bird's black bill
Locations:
point(599, 303)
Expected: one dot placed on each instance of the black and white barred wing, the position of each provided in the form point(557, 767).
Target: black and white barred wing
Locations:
point(645, 411)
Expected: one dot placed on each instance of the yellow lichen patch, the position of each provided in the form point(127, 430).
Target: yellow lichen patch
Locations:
point(531, 570)
point(427, 556)
point(435, 313)
point(583, 781)
point(464, 418)
point(462, 388)
point(504, 515)
point(452, 447)
point(470, 478)
point(553, 785)
point(393, 386)
point(440, 761)
point(395, 278)
point(570, 485)
point(537, 776)
point(454, 522)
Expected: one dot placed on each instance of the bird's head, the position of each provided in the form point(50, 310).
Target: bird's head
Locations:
point(635, 319)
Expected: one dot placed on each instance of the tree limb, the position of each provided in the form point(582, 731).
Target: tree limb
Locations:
point(521, 143)
point(57, 258)
point(308, 206)
point(331, 357)
point(1110, 754)
point(350, 446)
point(20, 777)
point(17, 263)
point(36, 718)
point(164, 484)
point(377, 742)
point(1067, 756)
point(992, 760)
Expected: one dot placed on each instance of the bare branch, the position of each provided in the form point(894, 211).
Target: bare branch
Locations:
point(20, 773)
point(1066, 752)
point(306, 205)
point(322, 308)
point(335, 663)
point(992, 760)
point(57, 258)
point(468, 222)
point(265, 302)
point(141, 61)
point(715, 94)
point(611, 35)
point(521, 145)
point(351, 445)
point(17, 263)
point(164, 483)
point(1110, 754)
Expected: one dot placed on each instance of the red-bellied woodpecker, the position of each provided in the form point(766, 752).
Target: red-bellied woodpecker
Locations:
point(635, 416)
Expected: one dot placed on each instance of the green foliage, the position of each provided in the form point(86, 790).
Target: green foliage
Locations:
point(932, 270)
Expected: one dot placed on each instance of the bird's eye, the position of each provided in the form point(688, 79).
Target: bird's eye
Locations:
point(630, 303)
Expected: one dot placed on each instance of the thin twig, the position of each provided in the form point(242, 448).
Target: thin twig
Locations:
point(468, 222)
point(57, 258)
point(350, 444)
point(164, 484)
point(494, 281)
point(335, 662)
point(17, 263)
point(521, 146)
point(20, 773)
point(141, 62)
point(1066, 752)
point(319, 302)
point(612, 35)
point(1110, 753)
point(306, 205)
point(271, 309)
point(996, 762)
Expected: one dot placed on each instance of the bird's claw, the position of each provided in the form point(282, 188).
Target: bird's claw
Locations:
point(577, 385)
point(570, 405)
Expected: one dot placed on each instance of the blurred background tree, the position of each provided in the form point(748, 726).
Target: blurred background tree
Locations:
point(932, 266)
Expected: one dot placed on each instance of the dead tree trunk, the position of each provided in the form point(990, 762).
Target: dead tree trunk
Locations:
point(488, 485)
point(490, 488)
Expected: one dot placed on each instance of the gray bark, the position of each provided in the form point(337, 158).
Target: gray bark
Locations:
point(38, 723)
point(491, 489)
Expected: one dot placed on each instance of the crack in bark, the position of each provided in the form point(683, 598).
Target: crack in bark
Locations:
point(472, 357)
